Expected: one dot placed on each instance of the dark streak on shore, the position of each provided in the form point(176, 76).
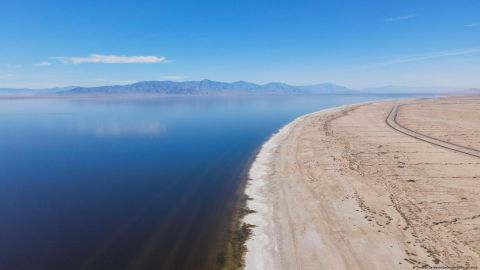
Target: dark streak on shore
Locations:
point(232, 251)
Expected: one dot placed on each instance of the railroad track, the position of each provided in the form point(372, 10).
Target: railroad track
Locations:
point(392, 122)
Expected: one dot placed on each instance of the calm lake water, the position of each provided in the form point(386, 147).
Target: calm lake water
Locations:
point(128, 183)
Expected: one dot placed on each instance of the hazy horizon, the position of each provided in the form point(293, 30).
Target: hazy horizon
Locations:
point(299, 85)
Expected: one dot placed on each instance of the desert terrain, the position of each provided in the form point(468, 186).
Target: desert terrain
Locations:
point(385, 185)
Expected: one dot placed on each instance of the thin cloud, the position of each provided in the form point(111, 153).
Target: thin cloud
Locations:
point(11, 65)
point(400, 18)
point(430, 56)
point(43, 64)
point(426, 57)
point(173, 77)
point(112, 59)
point(105, 81)
point(6, 76)
point(124, 82)
point(472, 25)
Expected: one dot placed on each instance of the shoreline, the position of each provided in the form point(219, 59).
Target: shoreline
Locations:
point(262, 246)
point(340, 188)
point(231, 254)
point(240, 233)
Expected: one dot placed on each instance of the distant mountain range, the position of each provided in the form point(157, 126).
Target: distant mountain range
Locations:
point(204, 87)
point(208, 87)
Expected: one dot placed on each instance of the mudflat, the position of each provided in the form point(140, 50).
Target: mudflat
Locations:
point(387, 185)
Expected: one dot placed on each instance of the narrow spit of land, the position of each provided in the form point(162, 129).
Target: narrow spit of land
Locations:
point(388, 185)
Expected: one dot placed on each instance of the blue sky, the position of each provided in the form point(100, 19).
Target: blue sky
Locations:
point(353, 43)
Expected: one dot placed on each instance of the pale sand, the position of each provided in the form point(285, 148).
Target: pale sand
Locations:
point(341, 189)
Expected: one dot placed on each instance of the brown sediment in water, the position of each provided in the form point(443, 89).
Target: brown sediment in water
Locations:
point(231, 249)
point(234, 250)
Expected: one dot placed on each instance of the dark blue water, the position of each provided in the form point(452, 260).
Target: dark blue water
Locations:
point(128, 183)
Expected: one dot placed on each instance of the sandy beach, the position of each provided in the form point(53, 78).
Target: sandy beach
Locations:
point(385, 185)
